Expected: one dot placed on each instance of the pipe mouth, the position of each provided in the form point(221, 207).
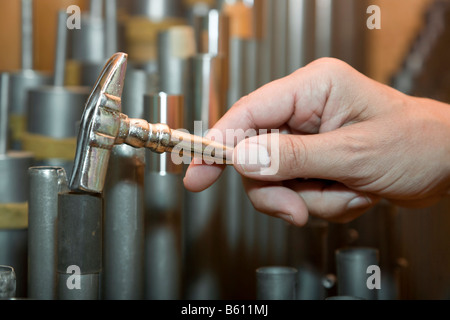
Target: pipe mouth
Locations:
point(357, 253)
point(276, 270)
point(6, 270)
point(46, 168)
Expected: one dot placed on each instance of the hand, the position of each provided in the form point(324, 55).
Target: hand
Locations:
point(352, 142)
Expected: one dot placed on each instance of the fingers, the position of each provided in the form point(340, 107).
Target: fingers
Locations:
point(293, 201)
point(276, 157)
point(278, 201)
point(201, 177)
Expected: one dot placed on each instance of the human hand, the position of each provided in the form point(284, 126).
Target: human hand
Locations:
point(352, 142)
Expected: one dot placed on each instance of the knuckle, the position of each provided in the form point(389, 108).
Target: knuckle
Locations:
point(293, 155)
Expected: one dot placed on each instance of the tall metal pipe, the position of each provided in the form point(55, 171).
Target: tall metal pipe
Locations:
point(176, 47)
point(27, 34)
point(123, 225)
point(24, 79)
point(324, 28)
point(53, 112)
point(279, 10)
point(352, 271)
point(13, 198)
point(4, 128)
point(45, 185)
point(111, 28)
point(276, 283)
point(202, 210)
point(308, 253)
point(156, 9)
point(163, 207)
point(300, 33)
point(79, 246)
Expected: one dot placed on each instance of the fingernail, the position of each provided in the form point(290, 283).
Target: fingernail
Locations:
point(286, 217)
point(357, 203)
point(253, 157)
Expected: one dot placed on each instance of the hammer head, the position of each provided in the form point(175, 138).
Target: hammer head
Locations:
point(99, 128)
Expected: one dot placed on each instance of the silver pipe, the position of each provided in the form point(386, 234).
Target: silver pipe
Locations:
point(4, 114)
point(307, 252)
point(324, 28)
point(27, 34)
point(96, 8)
point(13, 192)
point(202, 210)
point(138, 83)
point(25, 79)
point(79, 230)
point(111, 27)
point(233, 207)
point(300, 44)
point(351, 267)
point(13, 252)
point(8, 283)
point(265, 65)
point(279, 45)
point(156, 9)
point(212, 33)
point(53, 113)
point(176, 47)
point(61, 49)
point(124, 225)
point(45, 184)
point(163, 211)
point(276, 283)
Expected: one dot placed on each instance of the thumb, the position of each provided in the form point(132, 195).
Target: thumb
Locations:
point(278, 157)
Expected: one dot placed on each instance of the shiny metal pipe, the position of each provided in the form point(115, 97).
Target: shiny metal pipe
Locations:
point(123, 225)
point(13, 252)
point(138, 83)
point(265, 64)
point(212, 33)
point(61, 49)
point(176, 47)
point(24, 79)
point(4, 114)
point(279, 44)
point(53, 115)
point(300, 33)
point(202, 212)
point(88, 42)
point(27, 34)
point(20, 83)
point(233, 208)
point(324, 28)
point(54, 111)
point(45, 185)
point(157, 9)
point(111, 28)
point(352, 276)
point(79, 246)
point(308, 252)
point(276, 283)
point(163, 209)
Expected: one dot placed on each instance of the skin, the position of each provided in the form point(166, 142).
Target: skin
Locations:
point(347, 143)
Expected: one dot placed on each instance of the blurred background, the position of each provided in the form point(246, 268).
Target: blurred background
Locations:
point(209, 245)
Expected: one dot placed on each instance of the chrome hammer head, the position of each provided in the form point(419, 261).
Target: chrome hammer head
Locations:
point(100, 127)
